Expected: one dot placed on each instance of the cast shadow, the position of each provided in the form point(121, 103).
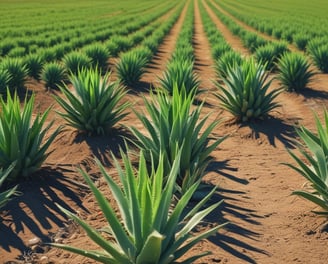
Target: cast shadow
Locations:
point(36, 208)
point(230, 208)
point(227, 240)
point(224, 169)
point(104, 146)
point(140, 87)
point(314, 94)
point(275, 130)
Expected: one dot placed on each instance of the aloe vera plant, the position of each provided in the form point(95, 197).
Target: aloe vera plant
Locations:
point(149, 227)
point(228, 60)
point(53, 74)
point(313, 164)
point(319, 55)
point(179, 73)
point(244, 92)
point(94, 106)
point(294, 72)
point(17, 71)
point(34, 65)
point(98, 54)
point(22, 137)
point(130, 67)
point(174, 125)
point(266, 55)
point(75, 60)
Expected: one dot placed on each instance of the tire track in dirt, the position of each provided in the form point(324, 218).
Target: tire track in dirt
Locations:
point(204, 64)
point(232, 40)
point(158, 64)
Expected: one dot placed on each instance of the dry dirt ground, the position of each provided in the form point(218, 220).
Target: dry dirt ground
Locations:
point(266, 223)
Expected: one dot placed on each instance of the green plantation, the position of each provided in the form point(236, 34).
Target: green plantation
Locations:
point(92, 58)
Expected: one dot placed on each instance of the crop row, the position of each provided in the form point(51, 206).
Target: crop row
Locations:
point(54, 40)
point(131, 64)
point(50, 64)
point(244, 92)
point(277, 19)
point(280, 23)
point(180, 68)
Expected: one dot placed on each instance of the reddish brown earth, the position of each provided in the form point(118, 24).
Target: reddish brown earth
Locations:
point(266, 223)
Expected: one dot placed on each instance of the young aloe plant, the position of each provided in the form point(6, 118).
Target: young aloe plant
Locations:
point(179, 73)
point(130, 67)
point(17, 71)
point(34, 65)
point(315, 169)
point(149, 227)
point(244, 92)
point(22, 138)
point(173, 125)
point(225, 62)
point(98, 54)
point(53, 74)
point(319, 55)
point(94, 105)
point(294, 72)
point(75, 61)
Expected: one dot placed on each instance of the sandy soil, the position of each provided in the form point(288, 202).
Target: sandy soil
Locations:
point(266, 223)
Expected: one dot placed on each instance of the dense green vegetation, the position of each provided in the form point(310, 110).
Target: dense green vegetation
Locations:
point(301, 23)
point(90, 34)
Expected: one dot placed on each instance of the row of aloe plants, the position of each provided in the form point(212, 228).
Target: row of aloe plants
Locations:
point(131, 65)
point(243, 84)
point(80, 33)
point(312, 39)
point(250, 40)
point(151, 219)
point(246, 81)
point(312, 145)
point(293, 69)
point(40, 13)
point(222, 53)
point(14, 71)
point(276, 23)
point(267, 52)
point(180, 68)
point(218, 44)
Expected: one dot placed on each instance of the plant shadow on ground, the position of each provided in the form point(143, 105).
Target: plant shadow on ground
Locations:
point(221, 168)
point(35, 209)
point(104, 146)
point(140, 87)
point(275, 130)
point(314, 94)
point(225, 241)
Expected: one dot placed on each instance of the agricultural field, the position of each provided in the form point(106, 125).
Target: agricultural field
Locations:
point(160, 131)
